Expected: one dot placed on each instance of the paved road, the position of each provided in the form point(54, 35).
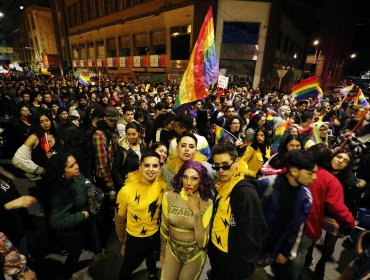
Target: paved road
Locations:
point(107, 269)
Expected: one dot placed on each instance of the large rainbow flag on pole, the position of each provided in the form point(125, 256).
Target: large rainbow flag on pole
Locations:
point(203, 67)
point(360, 99)
point(307, 88)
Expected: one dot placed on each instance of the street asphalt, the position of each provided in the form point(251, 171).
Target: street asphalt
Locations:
point(107, 268)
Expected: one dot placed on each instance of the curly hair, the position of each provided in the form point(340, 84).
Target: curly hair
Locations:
point(205, 182)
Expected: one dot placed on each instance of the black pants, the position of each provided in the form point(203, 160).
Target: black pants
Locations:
point(74, 243)
point(218, 260)
point(137, 249)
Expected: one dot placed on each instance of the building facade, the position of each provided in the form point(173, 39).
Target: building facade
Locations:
point(33, 40)
point(153, 39)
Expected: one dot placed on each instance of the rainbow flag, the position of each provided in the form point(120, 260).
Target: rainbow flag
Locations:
point(221, 134)
point(360, 99)
point(346, 90)
point(203, 68)
point(279, 132)
point(84, 79)
point(307, 88)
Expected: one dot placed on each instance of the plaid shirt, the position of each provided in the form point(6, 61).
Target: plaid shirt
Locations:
point(104, 154)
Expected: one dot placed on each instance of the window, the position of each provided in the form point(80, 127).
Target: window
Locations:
point(158, 41)
point(111, 47)
point(90, 50)
point(75, 52)
point(124, 45)
point(140, 44)
point(83, 11)
point(90, 9)
point(70, 15)
point(99, 8)
point(76, 13)
point(100, 49)
point(83, 52)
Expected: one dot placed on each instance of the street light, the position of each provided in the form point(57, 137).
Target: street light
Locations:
point(316, 43)
point(352, 56)
point(1, 14)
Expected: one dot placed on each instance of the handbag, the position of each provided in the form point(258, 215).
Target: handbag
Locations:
point(95, 198)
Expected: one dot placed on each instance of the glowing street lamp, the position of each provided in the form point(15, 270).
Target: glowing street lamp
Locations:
point(1, 14)
point(353, 55)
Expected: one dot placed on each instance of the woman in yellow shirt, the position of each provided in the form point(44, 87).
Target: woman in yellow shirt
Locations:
point(257, 153)
point(186, 216)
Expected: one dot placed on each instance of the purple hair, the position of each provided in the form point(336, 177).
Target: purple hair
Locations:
point(205, 182)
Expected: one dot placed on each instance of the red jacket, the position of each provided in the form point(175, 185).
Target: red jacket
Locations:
point(327, 194)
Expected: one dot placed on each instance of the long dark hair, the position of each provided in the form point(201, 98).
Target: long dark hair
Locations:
point(53, 179)
point(37, 129)
point(344, 173)
point(262, 147)
point(205, 182)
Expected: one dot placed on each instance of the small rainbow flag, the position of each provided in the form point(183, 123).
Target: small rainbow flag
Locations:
point(84, 79)
point(307, 88)
point(279, 132)
point(346, 90)
point(203, 67)
point(221, 134)
point(360, 99)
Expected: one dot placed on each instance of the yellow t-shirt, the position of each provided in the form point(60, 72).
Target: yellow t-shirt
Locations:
point(221, 220)
point(141, 204)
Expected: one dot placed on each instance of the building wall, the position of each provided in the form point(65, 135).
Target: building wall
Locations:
point(245, 11)
point(165, 20)
point(34, 38)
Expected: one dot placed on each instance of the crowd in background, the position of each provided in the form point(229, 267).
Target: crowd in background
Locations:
point(123, 136)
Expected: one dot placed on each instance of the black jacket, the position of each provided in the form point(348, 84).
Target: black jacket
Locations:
point(247, 225)
point(124, 161)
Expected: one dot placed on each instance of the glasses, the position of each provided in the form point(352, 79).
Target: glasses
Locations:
point(192, 179)
point(223, 167)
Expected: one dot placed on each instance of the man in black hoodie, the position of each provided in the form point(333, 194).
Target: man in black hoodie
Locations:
point(238, 222)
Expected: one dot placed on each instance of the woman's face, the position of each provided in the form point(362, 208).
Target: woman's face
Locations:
point(45, 123)
point(287, 112)
point(235, 125)
point(293, 145)
point(294, 131)
point(186, 148)
point(340, 161)
point(76, 122)
point(190, 181)
point(63, 115)
point(261, 122)
point(132, 136)
point(260, 137)
point(25, 112)
point(71, 169)
point(162, 151)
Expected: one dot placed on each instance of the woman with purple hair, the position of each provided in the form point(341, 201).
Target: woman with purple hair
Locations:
point(186, 216)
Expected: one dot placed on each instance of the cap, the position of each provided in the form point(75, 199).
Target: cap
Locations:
point(112, 113)
point(276, 101)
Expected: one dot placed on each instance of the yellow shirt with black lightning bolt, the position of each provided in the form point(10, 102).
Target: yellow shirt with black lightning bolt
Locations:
point(141, 204)
point(221, 220)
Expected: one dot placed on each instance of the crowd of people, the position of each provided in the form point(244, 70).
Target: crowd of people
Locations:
point(177, 192)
